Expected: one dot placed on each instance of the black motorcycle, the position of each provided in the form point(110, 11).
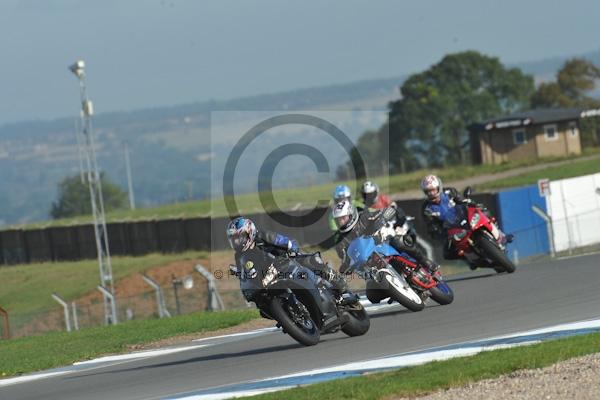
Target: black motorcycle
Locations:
point(303, 304)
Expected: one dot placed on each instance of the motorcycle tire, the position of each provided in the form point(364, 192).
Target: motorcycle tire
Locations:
point(498, 257)
point(441, 293)
point(305, 335)
point(359, 322)
point(403, 299)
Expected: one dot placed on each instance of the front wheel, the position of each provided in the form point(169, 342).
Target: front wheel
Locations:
point(400, 291)
point(493, 252)
point(296, 321)
point(359, 322)
point(441, 293)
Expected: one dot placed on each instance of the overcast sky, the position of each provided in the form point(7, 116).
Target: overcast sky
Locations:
point(152, 53)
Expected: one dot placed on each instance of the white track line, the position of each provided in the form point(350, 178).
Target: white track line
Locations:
point(397, 361)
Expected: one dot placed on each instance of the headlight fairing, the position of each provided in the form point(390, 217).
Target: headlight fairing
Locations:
point(475, 220)
point(460, 235)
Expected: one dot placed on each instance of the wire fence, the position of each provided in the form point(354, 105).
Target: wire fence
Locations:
point(86, 314)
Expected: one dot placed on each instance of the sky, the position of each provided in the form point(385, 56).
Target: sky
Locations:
point(150, 53)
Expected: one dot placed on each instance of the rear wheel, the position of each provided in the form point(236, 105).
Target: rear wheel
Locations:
point(359, 322)
point(492, 251)
point(296, 321)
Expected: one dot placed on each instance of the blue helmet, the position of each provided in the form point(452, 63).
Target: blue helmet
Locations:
point(241, 233)
point(341, 192)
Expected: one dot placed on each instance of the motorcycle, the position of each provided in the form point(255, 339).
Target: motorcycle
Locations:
point(476, 237)
point(396, 275)
point(303, 304)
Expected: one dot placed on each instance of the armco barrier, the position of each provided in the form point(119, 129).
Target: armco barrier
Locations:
point(171, 235)
point(38, 245)
point(14, 250)
point(143, 238)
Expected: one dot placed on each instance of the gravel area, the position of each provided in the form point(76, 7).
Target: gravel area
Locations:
point(576, 378)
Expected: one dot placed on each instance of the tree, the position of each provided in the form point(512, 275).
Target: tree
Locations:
point(438, 105)
point(74, 197)
point(574, 81)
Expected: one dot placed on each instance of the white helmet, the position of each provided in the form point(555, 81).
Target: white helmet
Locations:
point(345, 216)
point(431, 185)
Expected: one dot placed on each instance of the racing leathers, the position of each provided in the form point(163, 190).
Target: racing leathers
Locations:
point(278, 245)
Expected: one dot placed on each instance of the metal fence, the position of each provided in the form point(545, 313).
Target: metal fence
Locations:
point(136, 307)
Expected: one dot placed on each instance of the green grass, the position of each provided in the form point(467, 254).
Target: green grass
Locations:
point(289, 198)
point(419, 380)
point(575, 168)
point(26, 289)
point(35, 353)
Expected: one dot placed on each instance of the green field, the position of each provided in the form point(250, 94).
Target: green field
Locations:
point(26, 289)
point(57, 349)
point(420, 380)
point(576, 168)
point(307, 197)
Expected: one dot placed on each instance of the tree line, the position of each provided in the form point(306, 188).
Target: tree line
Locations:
point(427, 126)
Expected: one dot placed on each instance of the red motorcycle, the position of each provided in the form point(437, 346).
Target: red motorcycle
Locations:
point(476, 237)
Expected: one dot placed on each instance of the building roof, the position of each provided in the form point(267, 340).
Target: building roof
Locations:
point(534, 117)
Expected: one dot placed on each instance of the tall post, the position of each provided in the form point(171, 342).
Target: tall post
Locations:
point(129, 180)
point(176, 282)
point(65, 306)
point(549, 227)
point(97, 202)
point(6, 327)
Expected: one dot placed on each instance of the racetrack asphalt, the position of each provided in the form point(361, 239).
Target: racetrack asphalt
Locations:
point(486, 305)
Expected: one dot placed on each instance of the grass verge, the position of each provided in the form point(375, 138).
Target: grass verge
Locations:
point(576, 168)
point(35, 353)
point(26, 289)
point(419, 380)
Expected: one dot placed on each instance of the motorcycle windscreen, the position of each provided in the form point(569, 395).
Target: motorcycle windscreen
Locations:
point(360, 250)
point(386, 250)
point(252, 264)
point(455, 217)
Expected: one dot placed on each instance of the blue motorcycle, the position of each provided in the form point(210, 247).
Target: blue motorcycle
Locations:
point(396, 275)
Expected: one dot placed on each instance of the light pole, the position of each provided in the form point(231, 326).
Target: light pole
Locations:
point(129, 180)
point(95, 186)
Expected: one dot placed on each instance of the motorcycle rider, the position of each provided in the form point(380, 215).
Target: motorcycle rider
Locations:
point(439, 203)
point(342, 192)
point(243, 235)
point(351, 225)
point(372, 198)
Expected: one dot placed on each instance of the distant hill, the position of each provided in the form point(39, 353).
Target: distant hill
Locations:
point(170, 147)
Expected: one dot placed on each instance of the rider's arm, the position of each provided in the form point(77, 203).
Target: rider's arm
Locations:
point(281, 241)
point(433, 222)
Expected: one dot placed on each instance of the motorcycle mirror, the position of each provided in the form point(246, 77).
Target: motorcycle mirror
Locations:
point(467, 192)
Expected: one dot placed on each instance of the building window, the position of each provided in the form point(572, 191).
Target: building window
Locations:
point(550, 132)
point(519, 136)
point(573, 129)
